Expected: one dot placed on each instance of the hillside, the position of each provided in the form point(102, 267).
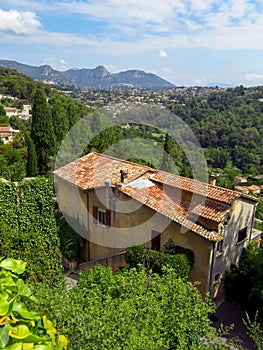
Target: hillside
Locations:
point(97, 78)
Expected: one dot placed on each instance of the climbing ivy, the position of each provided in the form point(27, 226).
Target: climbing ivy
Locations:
point(28, 229)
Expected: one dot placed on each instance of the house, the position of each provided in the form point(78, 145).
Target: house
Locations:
point(253, 189)
point(113, 204)
point(7, 133)
point(240, 179)
point(10, 111)
point(21, 113)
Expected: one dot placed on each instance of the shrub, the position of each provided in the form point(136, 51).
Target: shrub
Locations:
point(171, 248)
point(157, 261)
point(21, 328)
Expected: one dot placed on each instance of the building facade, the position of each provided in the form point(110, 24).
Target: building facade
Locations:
point(114, 204)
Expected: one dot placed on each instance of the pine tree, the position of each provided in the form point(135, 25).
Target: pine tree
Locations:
point(42, 131)
point(31, 165)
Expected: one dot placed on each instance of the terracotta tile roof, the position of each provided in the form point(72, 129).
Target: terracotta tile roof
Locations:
point(157, 199)
point(94, 169)
point(5, 128)
point(212, 192)
point(5, 131)
point(210, 210)
point(155, 189)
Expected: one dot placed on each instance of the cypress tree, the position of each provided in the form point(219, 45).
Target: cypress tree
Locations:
point(60, 120)
point(42, 131)
point(31, 165)
point(167, 163)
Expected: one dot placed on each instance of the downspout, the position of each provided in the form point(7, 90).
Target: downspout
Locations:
point(253, 219)
point(88, 224)
point(211, 267)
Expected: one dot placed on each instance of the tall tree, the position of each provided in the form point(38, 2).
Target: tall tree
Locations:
point(60, 120)
point(167, 162)
point(31, 165)
point(42, 131)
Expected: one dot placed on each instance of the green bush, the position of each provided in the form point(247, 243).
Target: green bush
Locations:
point(157, 261)
point(21, 328)
point(69, 239)
point(171, 248)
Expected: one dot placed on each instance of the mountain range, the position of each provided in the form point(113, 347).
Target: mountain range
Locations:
point(97, 78)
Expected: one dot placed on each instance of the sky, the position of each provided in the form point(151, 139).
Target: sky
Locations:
point(187, 42)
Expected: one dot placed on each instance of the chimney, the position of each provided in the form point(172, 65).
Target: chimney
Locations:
point(212, 180)
point(124, 174)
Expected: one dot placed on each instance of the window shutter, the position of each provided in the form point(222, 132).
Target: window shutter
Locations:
point(108, 217)
point(95, 214)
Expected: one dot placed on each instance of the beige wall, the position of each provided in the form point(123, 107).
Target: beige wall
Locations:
point(131, 224)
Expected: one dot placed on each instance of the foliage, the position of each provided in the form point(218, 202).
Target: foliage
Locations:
point(20, 327)
point(157, 261)
point(16, 84)
point(167, 161)
point(12, 162)
point(3, 119)
point(2, 111)
point(245, 284)
point(228, 125)
point(255, 331)
point(171, 248)
point(31, 164)
point(131, 309)
point(42, 131)
point(28, 228)
point(69, 239)
point(60, 118)
point(259, 211)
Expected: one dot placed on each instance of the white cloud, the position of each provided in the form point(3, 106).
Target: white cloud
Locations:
point(163, 54)
point(252, 77)
point(16, 22)
point(63, 64)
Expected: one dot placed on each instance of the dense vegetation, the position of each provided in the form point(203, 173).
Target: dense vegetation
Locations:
point(21, 327)
point(248, 278)
point(229, 125)
point(28, 228)
point(156, 261)
point(131, 309)
point(63, 111)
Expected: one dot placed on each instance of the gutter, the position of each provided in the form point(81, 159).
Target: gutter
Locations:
point(253, 219)
point(212, 258)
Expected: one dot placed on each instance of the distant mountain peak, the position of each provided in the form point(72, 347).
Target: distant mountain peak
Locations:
point(96, 78)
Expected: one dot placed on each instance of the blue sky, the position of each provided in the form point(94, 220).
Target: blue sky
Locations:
point(187, 42)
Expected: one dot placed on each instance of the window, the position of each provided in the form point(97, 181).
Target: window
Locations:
point(102, 216)
point(242, 234)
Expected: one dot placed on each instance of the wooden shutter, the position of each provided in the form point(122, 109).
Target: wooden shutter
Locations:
point(95, 214)
point(108, 217)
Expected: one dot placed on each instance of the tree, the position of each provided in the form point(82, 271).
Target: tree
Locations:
point(31, 165)
point(2, 111)
point(60, 120)
point(131, 309)
point(167, 162)
point(42, 131)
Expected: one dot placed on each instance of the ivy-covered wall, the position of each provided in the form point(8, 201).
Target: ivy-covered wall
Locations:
point(28, 228)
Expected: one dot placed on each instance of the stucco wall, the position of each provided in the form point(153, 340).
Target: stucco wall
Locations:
point(132, 223)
